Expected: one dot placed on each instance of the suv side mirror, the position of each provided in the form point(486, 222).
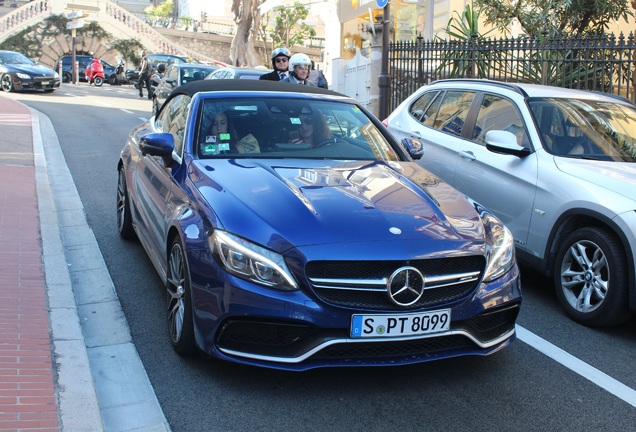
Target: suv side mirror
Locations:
point(504, 142)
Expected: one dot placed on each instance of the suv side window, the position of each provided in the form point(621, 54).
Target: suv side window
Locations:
point(453, 111)
point(418, 108)
point(498, 113)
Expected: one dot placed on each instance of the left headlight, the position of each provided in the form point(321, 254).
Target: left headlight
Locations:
point(252, 262)
point(23, 75)
point(501, 253)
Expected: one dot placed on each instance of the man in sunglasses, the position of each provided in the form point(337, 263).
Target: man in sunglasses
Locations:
point(280, 63)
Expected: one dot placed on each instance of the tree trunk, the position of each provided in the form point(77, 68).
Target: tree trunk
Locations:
point(247, 18)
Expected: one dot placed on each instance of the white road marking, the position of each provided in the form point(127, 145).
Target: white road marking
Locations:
point(588, 372)
point(126, 111)
point(143, 119)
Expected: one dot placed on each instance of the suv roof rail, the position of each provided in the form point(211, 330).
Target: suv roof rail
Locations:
point(511, 86)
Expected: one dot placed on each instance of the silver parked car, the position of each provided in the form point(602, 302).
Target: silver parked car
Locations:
point(557, 166)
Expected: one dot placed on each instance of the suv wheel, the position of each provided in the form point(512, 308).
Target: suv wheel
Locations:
point(591, 277)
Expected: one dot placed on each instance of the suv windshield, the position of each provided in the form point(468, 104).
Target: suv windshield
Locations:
point(586, 129)
point(280, 128)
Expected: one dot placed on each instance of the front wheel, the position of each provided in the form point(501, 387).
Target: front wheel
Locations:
point(591, 278)
point(98, 81)
point(7, 83)
point(179, 301)
point(124, 216)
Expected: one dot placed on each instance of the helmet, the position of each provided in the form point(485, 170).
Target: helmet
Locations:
point(280, 51)
point(299, 59)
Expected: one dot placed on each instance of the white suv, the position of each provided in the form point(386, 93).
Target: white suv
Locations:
point(557, 166)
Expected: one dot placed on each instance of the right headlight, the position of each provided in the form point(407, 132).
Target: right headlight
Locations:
point(252, 262)
point(501, 248)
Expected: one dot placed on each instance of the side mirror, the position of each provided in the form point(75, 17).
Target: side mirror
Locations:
point(504, 142)
point(414, 147)
point(158, 144)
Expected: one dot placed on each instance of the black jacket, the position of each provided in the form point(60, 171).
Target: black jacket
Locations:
point(271, 76)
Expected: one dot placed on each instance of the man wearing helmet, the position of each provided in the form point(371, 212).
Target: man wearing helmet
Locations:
point(299, 65)
point(280, 63)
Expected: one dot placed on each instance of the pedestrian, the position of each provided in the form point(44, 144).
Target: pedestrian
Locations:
point(144, 76)
point(317, 77)
point(280, 63)
point(299, 65)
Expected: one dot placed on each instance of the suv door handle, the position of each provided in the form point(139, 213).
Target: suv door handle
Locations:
point(467, 155)
point(416, 133)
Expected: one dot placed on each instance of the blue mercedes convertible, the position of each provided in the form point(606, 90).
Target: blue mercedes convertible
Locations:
point(294, 232)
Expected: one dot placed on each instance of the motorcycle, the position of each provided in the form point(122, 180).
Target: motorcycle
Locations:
point(120, 76)
point(95, 73)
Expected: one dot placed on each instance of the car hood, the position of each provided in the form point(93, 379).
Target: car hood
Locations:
point(36, 70)
point(618, 177)
point(287, 203)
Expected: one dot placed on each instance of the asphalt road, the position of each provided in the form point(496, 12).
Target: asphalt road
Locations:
point(558, 375)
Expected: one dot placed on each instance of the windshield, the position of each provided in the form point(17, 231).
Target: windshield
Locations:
point(14, 58)
point(288, 128)
point(588, 129)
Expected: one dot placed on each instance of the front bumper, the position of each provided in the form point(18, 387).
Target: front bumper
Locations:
point(36, 84)
point(244, 323)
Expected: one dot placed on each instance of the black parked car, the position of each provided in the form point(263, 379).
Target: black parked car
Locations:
point(83, 61)
point(17, 72)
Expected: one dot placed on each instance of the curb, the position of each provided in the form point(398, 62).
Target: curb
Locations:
point(101, 382)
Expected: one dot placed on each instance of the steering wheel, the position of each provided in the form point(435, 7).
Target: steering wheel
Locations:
point(325, 142)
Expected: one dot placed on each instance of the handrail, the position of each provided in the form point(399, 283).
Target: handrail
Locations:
point(26, 14)
point(35, 11)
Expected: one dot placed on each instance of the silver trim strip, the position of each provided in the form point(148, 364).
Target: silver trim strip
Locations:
point(324, 345)
point(431, 282)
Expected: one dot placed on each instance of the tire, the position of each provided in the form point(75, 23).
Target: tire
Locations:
point(7, 83)
point(155, 106)
point(67, 77)
point(98, 81)
point(591, 278)
point(124, 215)
point(179, 301)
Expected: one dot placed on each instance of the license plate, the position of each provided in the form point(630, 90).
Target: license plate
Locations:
point(391, 326)
point(45, 83)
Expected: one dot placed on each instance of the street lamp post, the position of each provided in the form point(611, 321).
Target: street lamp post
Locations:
point(384, 79)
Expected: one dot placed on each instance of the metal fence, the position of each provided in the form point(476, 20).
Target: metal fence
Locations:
point(601, 63)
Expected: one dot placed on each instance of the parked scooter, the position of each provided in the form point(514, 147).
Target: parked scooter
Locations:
point(119, 77)
point(95, 73)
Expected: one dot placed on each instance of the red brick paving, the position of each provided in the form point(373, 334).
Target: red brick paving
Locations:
point(27, 389)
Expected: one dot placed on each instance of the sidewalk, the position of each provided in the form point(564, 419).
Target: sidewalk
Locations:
point(67, 361)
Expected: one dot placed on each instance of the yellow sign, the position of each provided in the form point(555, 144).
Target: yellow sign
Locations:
point(82, 7)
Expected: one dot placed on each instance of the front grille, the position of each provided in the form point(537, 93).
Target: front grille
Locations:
point(388, 350)
point(362, 284)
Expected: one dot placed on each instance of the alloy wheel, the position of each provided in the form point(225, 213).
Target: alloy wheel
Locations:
point(176, 292)
point(7, 83)
point(585, 276)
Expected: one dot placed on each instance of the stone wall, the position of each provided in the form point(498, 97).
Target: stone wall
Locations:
point(218, 46)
